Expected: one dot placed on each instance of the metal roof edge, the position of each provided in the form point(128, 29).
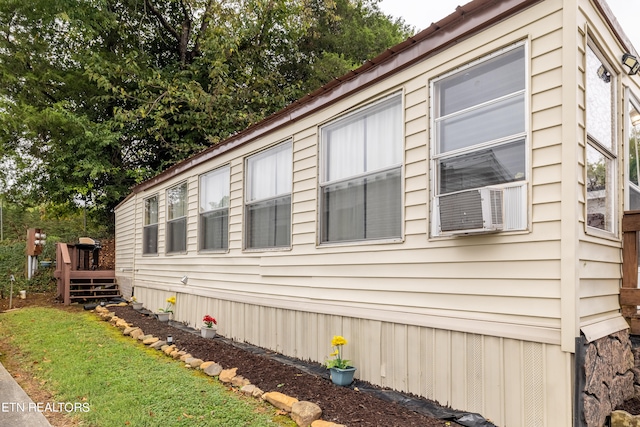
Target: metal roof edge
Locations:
point(608, 15)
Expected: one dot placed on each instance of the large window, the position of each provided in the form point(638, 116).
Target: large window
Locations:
point(480, 124)
point(601, 146)
point(214, 210)
point(177, 218)
point(268, 198)
point(360, 180)
point(150, 227)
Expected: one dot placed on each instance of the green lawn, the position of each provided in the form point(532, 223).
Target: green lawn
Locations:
point(85, 361)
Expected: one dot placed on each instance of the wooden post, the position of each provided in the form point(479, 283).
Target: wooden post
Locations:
point(63, 272)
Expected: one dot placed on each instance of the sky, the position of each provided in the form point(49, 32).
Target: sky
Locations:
point(421, 13)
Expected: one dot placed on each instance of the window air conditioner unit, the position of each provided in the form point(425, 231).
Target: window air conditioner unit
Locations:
point(471, 211)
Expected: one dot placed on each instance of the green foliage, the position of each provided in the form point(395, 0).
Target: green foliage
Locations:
point(97, 95)
point(83, 360)
point(596, 174)
point(59, 223)
point(343, 36)
point(13, 263)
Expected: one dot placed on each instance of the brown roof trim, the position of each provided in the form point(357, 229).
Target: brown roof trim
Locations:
point(465, 21)
point(130, 195)
point(603, 7)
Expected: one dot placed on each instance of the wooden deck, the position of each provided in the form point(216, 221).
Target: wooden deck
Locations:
point(82, 285)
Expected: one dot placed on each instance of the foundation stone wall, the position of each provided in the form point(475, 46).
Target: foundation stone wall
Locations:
point(610, 374)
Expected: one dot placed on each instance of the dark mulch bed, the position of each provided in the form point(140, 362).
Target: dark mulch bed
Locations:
point(344, 405)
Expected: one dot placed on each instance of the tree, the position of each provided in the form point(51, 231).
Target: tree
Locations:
point(97, 95)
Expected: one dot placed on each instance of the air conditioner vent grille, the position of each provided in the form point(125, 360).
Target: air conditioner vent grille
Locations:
point(461, 211)
point(472, 211)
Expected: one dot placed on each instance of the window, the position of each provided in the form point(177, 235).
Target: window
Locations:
point(633, 136)
point(601, 147)
point(268, 197)
point(479, 128)
point(214, 210)
point(150, 228)
point(480, 124)
point(360, 180)
point(177, 218)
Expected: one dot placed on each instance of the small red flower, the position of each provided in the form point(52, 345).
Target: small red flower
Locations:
point(209, 321)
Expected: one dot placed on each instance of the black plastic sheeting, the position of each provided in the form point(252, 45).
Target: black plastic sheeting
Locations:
point(426, 407)
point(116, 300)
point(416, 404)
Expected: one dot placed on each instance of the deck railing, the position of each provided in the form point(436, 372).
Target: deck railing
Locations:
point(63, 272)
point(629, 293)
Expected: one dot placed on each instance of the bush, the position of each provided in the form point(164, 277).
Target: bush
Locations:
point(13, 261)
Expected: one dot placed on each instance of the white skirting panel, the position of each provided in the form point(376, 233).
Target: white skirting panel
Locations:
point(510, 382)
point(125, 285)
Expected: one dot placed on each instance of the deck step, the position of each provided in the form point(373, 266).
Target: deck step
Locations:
point(105, 296)
point(96, 288)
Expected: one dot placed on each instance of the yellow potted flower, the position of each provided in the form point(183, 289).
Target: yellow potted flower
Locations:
point(341, 370)
point(164, 313)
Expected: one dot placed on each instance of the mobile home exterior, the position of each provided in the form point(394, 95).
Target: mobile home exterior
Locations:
point(453, 208)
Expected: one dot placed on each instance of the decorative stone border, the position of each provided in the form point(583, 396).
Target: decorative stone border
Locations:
point(304, 413)
point(624, 419)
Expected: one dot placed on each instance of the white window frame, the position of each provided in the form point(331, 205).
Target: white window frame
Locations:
point(382, 172)
point(608, 151)
point(219, 177)
point(520, 180)
point(149, 227)
point(176, 217)
point(259, 197)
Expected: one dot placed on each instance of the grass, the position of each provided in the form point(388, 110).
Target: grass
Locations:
point(83, 360)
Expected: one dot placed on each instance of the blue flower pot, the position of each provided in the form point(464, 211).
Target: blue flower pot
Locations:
point(342, 377)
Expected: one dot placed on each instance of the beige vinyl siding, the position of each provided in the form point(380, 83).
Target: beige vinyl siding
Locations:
point(305, 172)
point(416, 172)
point(192, 213)
point(162, 224)
point(236, 205)
point(600, 276)
point(125, 235)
